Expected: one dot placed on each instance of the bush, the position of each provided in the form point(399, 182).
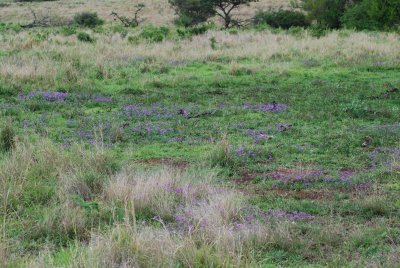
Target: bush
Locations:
point(194, 30)
point(281, 19)
point(327, 13)
point(68, 30)
point(84, 37)
point(7, 138)
point(88, 19)
point(154, 34)
point(373, 15)
point(318, 31)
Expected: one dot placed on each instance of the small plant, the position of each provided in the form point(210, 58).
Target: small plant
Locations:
point(222, 155)
point(213, 43)
point(85, 37)
point(88, 19)
point(318, 31)
point(68, 30)
point(7, 138)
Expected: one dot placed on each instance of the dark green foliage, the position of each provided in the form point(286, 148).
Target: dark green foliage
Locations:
point(194, 30)
point(85, 37)
point(10, 27)
point(88, 19)
point(373, 15)
point(7, 138)
point(154, 34)
point(281, 19)
point(192, 12)
point(326, 12)
point(68, 30)
point(213, 43)
point(318, 31)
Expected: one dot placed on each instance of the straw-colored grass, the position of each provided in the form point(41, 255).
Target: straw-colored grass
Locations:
point(156, 12)
point(54, 60)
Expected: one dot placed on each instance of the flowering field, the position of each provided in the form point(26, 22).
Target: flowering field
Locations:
point(234, 148)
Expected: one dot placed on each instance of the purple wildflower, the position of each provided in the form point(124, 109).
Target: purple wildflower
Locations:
point(258, 135)
point(102, 99)
point(47, 96)
point(150, 129)
point(155, 110)
point(243, 152)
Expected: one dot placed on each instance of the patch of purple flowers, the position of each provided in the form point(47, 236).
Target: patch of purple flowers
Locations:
point(307, 177)
point(46, 96)
point(102, 99)
point(385, 157)
point(243, 152)
point(259, 136)
point(150, 129)
point(140, 110)
point(273, 107)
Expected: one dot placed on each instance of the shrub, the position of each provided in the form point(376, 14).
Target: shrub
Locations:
point(88, 19)
point(281, 19)
point(85, 37)
point(7, 138)
point(68, 30)
point(373, 15)
point(154, 34)
point(327, 13)
point(194, 30)
point(318, 31)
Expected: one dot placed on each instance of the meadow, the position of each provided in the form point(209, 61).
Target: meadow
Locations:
point(244, 147)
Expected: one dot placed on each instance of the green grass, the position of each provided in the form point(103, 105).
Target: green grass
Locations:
point(332, 110)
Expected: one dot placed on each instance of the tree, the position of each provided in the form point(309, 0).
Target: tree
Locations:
point(327, 13)
point(130, 22)
point(373, 15)
point(224, 10)
point(192, 12)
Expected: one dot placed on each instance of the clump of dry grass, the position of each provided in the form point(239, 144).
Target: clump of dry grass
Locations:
point(197, 223)
point(191, 220)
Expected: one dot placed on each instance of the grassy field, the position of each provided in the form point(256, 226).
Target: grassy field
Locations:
point(234, 148)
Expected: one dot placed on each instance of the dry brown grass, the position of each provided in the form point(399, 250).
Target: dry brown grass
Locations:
point(156, 12)
point(53, 60)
